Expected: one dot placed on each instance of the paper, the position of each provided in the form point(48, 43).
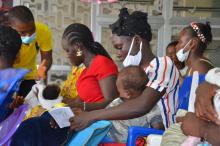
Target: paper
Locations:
point(62, 115)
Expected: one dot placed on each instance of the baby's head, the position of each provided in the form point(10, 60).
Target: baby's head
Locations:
point(50, 96)
point(131, 82)
point(51, 92)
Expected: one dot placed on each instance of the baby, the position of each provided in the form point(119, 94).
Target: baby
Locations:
point(131, 82)
point(42, 98)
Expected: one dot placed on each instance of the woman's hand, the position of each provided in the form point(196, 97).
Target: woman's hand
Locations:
point(81, 121)
point(41, 71)
point(53, 124)
point(77, 111)
point(192, 125)
point(73, 103)
point(203, 104)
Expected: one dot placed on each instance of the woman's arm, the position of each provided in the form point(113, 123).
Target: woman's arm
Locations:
point(130, 109)
point(109, 91)
point(194, 126)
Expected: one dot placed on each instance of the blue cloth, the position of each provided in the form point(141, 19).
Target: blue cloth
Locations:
point(9, 83)
point(38, 132)
point(184, 91)
point(107, 139)
point(92, 135)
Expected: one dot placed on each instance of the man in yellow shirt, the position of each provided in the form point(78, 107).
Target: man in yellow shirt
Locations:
point(36, 37)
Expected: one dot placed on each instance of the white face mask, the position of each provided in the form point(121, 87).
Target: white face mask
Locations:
point(28, 39)
point(181, 55)
point(133, 60)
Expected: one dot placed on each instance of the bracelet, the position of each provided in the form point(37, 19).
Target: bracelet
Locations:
point(84, 106)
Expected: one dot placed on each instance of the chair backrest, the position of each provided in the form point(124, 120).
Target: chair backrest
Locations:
point(9, 84)
point(10, 125)
point(134, 132)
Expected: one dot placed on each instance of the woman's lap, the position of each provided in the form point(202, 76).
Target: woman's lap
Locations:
point(37, 132)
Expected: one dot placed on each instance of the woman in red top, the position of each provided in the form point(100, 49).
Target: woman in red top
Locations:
point(96, 85)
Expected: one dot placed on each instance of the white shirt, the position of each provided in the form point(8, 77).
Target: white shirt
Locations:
point(163, 74)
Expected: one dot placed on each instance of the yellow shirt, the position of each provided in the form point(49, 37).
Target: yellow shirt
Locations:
point(69, 87)
point(28, 53)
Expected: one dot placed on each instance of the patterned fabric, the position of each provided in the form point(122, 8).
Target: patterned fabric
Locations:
point(35, 112)
point(173, 136)
point(69, 87)
point(163, 75)
point(119, 130)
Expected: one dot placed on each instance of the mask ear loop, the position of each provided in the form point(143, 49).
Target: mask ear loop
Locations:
point(186, 46)
point(140, 46)
point(132, 43)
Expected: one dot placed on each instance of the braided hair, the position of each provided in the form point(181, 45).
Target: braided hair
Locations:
point(80, 33)
point(132, 24)
point(10, 43)
point(205, 29)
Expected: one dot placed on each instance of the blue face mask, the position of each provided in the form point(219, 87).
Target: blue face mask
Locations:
point(28, 39)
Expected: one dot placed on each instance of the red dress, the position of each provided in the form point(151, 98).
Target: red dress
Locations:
point(88, 83)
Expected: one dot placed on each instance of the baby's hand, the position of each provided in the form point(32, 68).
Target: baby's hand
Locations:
point(41, 72)
point(77, 111)
point(192, 125)
point(73, 103)
point(19, 100)
point(53, 124)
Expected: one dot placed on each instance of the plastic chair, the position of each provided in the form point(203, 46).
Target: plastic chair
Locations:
point(106, 141)
point(9, 84)
point(10, 125)
point(134, 132)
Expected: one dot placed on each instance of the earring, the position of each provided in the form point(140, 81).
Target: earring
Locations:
point(79, 53)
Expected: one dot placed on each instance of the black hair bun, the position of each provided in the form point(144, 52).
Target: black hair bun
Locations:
point(208, 25)
point(123, 13)
point(139, 15)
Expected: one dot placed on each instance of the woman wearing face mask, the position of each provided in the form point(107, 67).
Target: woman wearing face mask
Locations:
point(132, 39)
point(132, 35)
point(193, 40)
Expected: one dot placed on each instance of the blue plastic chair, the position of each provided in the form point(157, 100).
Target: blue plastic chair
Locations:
point(134, 132)
point(9, 83)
